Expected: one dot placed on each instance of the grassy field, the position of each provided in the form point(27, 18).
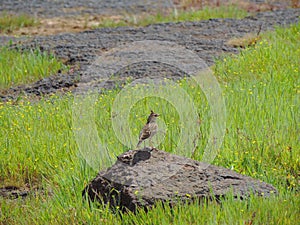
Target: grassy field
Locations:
point(261, 89)
point(10, 22)
point(25, 67)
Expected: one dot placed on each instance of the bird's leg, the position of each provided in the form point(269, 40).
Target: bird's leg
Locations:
point(138, 145)
point(150, 142)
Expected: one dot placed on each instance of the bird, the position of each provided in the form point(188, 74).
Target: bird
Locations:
point(149, 129)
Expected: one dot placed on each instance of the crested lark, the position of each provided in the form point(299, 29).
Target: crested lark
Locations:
point(149, 129)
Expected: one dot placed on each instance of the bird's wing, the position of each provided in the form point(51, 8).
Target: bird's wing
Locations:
point(145, 133)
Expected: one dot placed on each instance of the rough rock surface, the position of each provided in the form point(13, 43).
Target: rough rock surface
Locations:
point(140, 178)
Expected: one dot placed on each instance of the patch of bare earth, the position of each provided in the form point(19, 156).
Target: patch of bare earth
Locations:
point(56, 25)
point(67, 24)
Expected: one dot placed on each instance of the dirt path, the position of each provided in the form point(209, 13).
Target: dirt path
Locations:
point(207, 39)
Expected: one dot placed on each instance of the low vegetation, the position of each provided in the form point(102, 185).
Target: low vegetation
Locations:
point(261, 88)
point(10, 22)
point(175, 16)
point(23, 67)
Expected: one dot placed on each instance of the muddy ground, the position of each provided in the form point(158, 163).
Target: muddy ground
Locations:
point(89, 53)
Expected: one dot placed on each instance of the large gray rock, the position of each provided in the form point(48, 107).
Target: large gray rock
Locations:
point(140, 178)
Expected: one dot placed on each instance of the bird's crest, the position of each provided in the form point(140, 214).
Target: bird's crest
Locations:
point(152, 114)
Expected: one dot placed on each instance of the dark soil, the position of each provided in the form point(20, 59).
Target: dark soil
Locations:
point(207, 39)
point(49, 8)
point(15, 192)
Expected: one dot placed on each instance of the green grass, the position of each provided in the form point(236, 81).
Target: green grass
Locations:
point(10, 22)
point(261, 90)
point(25, 67)
point(265, 124)
point(175, 16)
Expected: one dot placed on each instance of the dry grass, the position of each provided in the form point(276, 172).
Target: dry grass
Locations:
point(245, 41)
point(243, 4)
